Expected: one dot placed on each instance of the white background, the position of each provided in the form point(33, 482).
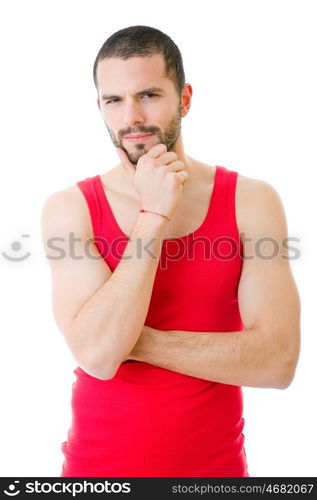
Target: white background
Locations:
point(252, 65)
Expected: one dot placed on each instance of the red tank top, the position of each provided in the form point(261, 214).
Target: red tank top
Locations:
point(147, 421)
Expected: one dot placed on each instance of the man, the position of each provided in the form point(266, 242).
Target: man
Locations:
point(169, 326)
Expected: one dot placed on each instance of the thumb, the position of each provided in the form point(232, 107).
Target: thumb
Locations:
point(125, 162)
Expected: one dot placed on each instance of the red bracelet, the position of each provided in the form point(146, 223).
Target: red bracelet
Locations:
point(165, 217)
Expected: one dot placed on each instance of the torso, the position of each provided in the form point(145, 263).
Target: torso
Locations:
point(125, 206)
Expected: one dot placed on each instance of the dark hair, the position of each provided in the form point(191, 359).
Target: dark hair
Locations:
point(144, 41)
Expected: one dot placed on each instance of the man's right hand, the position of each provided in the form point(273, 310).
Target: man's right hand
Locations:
point(158, 178)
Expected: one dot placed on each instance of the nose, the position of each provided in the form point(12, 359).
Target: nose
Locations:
point(133, 114)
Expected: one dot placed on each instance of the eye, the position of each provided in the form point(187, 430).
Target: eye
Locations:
point(115, 99)
point(111, 100)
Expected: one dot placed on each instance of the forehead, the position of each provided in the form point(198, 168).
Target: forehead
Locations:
point(116, 74)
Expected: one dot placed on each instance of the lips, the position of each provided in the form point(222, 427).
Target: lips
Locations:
point(137, 137)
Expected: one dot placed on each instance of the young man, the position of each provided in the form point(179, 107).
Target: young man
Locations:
point(173, 286)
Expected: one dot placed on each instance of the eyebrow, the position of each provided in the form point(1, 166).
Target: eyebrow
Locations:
point(145, 91)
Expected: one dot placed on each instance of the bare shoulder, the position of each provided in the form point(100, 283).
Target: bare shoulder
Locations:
point(250, 186)
point(67, 208)
point(258, 206)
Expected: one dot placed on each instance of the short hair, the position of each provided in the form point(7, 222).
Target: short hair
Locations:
point(142, 41)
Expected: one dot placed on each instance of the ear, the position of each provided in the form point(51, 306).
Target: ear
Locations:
point(187, 93)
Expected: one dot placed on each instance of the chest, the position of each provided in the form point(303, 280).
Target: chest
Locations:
point(188, 217)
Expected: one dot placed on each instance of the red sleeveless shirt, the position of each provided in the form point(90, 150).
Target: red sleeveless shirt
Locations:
point(147, 421)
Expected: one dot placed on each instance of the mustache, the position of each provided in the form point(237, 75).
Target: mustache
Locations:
point(139, 130)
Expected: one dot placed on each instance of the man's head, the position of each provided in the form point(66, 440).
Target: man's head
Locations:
point(140, 80)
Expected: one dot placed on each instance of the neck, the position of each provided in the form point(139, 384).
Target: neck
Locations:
point(190, 165)
point(187, 160)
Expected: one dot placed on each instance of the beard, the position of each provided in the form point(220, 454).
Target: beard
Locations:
point(168, 137)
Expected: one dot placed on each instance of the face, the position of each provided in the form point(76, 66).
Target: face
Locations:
point(135, 98)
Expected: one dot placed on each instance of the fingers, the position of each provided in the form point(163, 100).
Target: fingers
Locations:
point(175, 166)
point(182, 176)
point(163, 157)
point(156, 151)
point(167, 158)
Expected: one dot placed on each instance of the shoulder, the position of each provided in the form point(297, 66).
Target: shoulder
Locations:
point(66, 209)
point(259, 207)
point(251, 186)
point(68, 206)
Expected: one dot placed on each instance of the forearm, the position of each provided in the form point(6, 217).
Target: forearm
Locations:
point(241, 358)
point(109, 323)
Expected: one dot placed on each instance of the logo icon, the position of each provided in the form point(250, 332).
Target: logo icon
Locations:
point(12, 492)
point(16, 246)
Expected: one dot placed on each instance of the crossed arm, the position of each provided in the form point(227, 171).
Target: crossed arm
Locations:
point(265, 354)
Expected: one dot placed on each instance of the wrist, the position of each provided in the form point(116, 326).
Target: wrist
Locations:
point(149, 219)
point(159, 214)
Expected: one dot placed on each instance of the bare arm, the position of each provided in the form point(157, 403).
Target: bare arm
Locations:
point(100, 313)
point(109, 323)
point(96, 309)
point(266, 353)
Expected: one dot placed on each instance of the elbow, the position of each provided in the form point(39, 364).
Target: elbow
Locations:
point(286, 373)
point(286, 378)
point(284, 362)
point(99, 373)
point(101, 369)
point(103, 376)
point(104, 370)
point(99, 360)
point(107, 367)
point(96, 362)
point(282, 382)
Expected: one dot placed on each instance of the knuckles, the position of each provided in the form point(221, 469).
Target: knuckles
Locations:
point(147, 162)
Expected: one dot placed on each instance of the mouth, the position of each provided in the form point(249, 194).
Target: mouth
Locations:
point(137, 137)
